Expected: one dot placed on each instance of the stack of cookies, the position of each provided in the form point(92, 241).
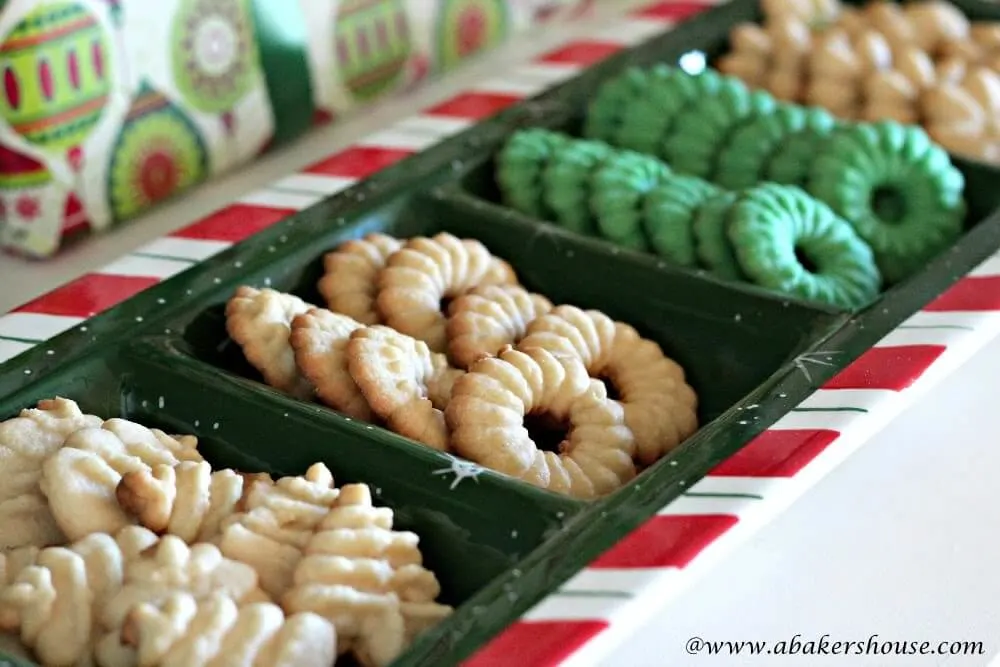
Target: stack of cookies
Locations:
point(638, 202)
point(120, 546)
point(890, 181)
point(921, 62)
point(436, 340)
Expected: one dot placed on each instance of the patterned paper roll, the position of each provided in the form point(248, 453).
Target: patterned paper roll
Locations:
point(56, 70)
point(158, 154)
point(373, 45)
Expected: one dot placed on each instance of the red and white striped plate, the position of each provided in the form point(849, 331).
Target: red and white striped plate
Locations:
point(639, 575)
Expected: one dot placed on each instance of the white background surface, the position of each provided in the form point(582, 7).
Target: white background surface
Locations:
point(901, 541)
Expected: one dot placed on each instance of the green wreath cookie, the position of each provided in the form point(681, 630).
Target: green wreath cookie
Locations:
point(897, 188)
point(787, 241)
point(618, 189)
point(604, 113)
point(703, 129)
point(566, 183)
point(711, 234)
point(668, 214)
point(519, 168)
point(745, 157)
point(791, 162)
point(647, 119)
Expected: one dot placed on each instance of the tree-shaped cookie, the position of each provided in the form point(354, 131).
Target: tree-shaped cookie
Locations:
point(188, 500)
point(367, 579)
point(253, 519)
point(197, 632)
point(80, 479)
point(165, 568)
point(25, 442)
point(276, 523)
point(53, 602)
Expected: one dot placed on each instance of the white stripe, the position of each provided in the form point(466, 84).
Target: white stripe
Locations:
point(901, 337)
point(836, 421)
point(438, 126)
point(971, 319)
point(633, 580)
point(868, 399)
point(11, 348)
point(145, 267)
point(632, 31)
point(36, 326)
point(570, 608)
point(508, 86)
point(550, 74)
point(276, 199)
point(399, 138)
point(193, 249)
point(687, 506)
point(530, 79)
point(649, 600)
point(989, 267)
point(758, 486)
point(319, 184)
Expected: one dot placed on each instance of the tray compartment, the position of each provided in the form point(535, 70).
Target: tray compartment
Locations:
point(712, 330)
point(468, 536)
point(477, 187)
point(702, 38)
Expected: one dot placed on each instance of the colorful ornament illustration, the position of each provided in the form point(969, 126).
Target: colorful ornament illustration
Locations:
point(466, 27)
point(158, 154)
point(214, 55)
point(57, 75)
point(23, 180)
point(74, 216)
point(29, 216)
point(373, 42)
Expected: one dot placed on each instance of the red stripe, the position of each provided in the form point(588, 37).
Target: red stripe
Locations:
point(777, 453)
point(233, 223)
point(88, 295)
point(359, 161)
point(473, 106)
point(971, 294)
point(673, 11)
point(665, 541)
point(535, 643)
point(893, 368)
point(583, 53)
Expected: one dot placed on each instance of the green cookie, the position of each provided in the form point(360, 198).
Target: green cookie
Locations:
point(566, 183)
point(711, 228)
point(791, 243)
point(519, 168)
point(897, 188)
point(668, 215)
point(647, 119)
point(743, 161)
point(604, 113)
point(617, 191)
point(790, 164)
point(703, 129)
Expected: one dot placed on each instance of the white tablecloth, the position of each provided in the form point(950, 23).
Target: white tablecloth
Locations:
point(902, 541)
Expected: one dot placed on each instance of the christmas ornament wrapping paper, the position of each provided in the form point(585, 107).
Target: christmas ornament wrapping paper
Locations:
point(108, 107)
